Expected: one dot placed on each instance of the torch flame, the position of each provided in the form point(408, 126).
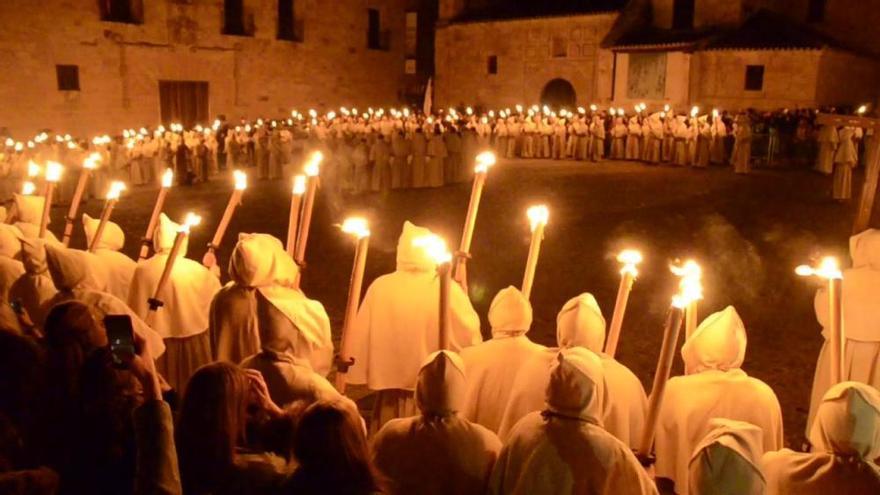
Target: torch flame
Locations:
point(695, 111)
point(538, 215)
point(862, 109)
point(28, 188)
point(167, 178)
point(91, 161)
point(828, 268)
point(299, 185)
point(240, 180)
point(190, 221)
point(690, 287)
point(33, 169)
point(435, 247)
point(356, 226)
point(485, 160)
point(53, 171)
point(116, 188)
point(313, 167)
point(630, 258)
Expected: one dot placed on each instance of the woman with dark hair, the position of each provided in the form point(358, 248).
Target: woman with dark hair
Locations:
point(211, 433)
point(332, 451)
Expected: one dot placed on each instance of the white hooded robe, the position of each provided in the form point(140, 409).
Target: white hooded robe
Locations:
point(34, 288)
point(11, 269)
point(120, 268)
point(728, 460)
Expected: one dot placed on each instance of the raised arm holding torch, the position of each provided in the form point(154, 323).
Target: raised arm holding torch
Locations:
point(299, 188)
point(167, 179)
point(630, 259)
point(485, 160)
point(89, 164)
point(210, 258)
point(538, 216)
point(359, 228)
point(53, 175)
point(116, 188)
point(829, 269)
point(154, 302)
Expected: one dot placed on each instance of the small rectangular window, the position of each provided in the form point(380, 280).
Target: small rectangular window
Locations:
point(560, 47)
point(492, 64)
point(127, 11)
point(411, 40)
point(374, 29)
point(234, 23)
point(754, 77)
point(68, 77)
point(816, 11)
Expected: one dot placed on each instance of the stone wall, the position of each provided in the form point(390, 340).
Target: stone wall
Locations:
point(120, 64)
point(847, 79)
point(526, 61)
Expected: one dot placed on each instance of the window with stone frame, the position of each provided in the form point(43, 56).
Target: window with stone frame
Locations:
point(290, 25)
point(127, 11)
point(377, 38)
point(560, 47)
point(492, 64)
point(754, 77)
point(68, 77)
point(236, 20)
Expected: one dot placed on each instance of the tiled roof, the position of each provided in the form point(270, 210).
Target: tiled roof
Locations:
point(525, 9)
point(655, 38)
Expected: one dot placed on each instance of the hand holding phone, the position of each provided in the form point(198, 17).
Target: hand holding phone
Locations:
point(120, 334)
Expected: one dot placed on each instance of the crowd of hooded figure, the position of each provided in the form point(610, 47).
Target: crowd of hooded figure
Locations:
point(228, 389)
point(378, 150)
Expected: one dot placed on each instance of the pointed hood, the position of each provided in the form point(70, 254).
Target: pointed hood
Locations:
point(865, 249)
point(580, 324)
point(847, 421)
point(719, 343)
point(440, 387)
point(33, 255)
point(576, 385)
point(29, 208)
point(113, 238)
point(727, 461)
point(70, 268)
point(164, 235)
point(254, 260)
point(411, 257)
point(510, 313)
point(10, 241)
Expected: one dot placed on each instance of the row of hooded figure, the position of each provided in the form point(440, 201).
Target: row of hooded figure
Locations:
point(502, 416)
point(839, 154)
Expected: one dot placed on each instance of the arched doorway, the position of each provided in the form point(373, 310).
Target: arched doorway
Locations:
point(559, 93)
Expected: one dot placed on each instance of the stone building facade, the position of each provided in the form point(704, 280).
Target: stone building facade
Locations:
point(727, 53)
point(89, 66)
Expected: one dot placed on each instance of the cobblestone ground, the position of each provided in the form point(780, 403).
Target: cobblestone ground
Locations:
point(749, 232)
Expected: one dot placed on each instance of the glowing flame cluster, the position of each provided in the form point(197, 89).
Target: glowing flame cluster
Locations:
point(538, 215)
point(630, 258)
point(91, 162)
point(167, 178)
point(435, 247)
point(828, 268)
point(356, 226)
point(116, 188)
point(695, 111)
point(53, 171)
point(34, 170)
point(190, 221)
point(28, 188)
point(299, 185)
point(690, 286)
point(240, 180)
point(485, 160)
point(313, 166)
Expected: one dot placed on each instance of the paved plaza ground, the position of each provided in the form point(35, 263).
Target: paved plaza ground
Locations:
point(749, 232)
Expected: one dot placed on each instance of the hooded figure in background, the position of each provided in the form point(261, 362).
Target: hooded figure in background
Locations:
point(828, 140)
point(11, 269)
point(438, 451)
point(728, 460)
point(716, 387)
point(120, 268)
point(742, 146)
point(564, 449)
point(183, 320)
point(396, 328)
point(73, 276)
point(29, 214)
point(633, 139)
point(861, 320)
point(846, 445)
point(580, 324)
point(289, 377)
point(34, 288)
point(492, 366)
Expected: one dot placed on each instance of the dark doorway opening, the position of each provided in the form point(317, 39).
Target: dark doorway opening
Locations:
point(184, 102)
point(559, 93)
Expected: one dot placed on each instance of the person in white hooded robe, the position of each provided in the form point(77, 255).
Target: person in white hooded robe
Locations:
point(34, 288)
point(11, 268)
point(492, 366)
point(28, 214)
point(259, 264)
point(438, 451)
point(716, 386)
point(564, 449)
point(728, 460)
point(397, 326)
point(846, 446)
point(183, 319)
point(120, 268)
point(74, 278)
point(861, 320)
point(580, 324)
